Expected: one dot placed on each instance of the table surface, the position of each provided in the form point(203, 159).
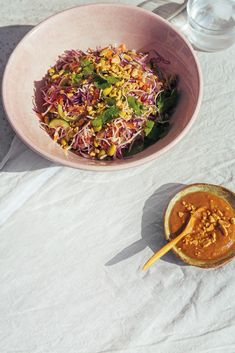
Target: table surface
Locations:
point(72, 242)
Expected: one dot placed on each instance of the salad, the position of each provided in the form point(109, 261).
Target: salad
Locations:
point(107, 103)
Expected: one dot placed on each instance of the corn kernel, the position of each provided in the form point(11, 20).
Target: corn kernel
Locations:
point(96, 143)
point(55, 76)
point(111, 151)
point(51, 71)
point(101, 153)
point(97, 128)
point(63, 142)
point(107, 90)
point(127, 57)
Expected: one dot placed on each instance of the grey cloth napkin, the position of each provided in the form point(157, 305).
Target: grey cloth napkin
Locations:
point(165, 9)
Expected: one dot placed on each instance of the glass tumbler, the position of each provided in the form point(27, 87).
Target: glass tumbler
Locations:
point(211, 24)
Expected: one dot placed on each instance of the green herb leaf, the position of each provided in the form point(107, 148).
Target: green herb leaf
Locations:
point(110, 101)
point(137, 147)
point(148, 127)
point(88, 70)
point(85, 62)
point(135, 105)
point(76, 78)
point(109, 114)
point(97, 122)
point(112, 79)
point(100, 82)
point(157, 132)
point(103, 82)
point(167, 101)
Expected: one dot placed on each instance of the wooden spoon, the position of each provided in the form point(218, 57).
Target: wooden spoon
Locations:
point(187, 230)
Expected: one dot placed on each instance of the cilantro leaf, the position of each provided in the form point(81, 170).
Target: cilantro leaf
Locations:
point(97, 122)
point(88, 70)
point(167, 100)
point(103, 82)
point(110, 101)
point(76, 78)
point(137, 147)
point(148, 127)
point(110, 113)
point(85, 62)
point(112, 79)
point(135, 105)
point(157, 132)
point(87, 67)
point(100, 82)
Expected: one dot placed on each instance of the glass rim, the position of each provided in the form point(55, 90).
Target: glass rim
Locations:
point(228, 30)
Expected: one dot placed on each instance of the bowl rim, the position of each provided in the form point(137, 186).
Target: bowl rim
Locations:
point(220, 262)
point(130, 162)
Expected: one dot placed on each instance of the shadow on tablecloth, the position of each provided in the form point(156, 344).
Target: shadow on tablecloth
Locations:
point(152, 232)
point(9, 38)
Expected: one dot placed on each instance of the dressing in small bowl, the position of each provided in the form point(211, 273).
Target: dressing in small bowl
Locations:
point(212, 242)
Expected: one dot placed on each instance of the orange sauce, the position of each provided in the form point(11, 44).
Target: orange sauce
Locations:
point(213, 234)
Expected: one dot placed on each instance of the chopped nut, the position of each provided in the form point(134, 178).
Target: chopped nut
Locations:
point(210, 228)
point(208, 243)
point(232, 220)
point(195, 242)
point(213, 237)
point(214, 215)
point(184, 203)
point(223, 228)
point(181, 214)
point(211, 219)
point(225, 224)
point(220, 213)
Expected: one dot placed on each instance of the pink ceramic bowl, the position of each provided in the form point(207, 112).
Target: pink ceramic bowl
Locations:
point(90, 26)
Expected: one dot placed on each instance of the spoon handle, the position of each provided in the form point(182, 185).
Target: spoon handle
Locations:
point(163, 250)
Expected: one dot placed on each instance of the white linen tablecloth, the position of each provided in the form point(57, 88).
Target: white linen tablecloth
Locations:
point(72, 243)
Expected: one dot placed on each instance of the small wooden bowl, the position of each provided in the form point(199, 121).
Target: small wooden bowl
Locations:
point(217, 190)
